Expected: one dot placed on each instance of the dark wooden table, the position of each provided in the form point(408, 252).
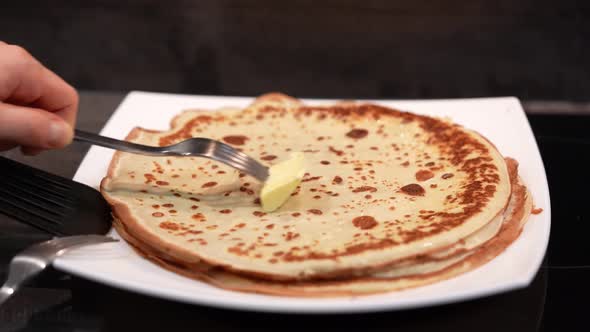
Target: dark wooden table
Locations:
point(554, 301)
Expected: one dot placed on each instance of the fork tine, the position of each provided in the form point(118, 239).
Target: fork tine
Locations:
point(243, 162)
point(230, 153)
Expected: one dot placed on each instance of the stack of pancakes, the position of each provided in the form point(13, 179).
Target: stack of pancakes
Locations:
point(390, 200)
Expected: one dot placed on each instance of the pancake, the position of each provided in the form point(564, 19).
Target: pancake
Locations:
point(402, 276)
point(384, 188)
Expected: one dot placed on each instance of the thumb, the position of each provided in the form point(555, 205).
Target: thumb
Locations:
point(32, 127)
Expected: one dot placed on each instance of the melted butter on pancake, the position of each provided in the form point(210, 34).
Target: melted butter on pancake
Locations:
point(283, 179)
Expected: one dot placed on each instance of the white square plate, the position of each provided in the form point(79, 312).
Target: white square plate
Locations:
point(502, 120)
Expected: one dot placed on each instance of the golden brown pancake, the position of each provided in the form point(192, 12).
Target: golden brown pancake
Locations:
point(386, 191)
point(409, 274)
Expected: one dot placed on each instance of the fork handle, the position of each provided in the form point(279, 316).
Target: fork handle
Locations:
point(111, 143)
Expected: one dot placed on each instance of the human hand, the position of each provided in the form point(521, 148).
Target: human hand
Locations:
point(37, 108)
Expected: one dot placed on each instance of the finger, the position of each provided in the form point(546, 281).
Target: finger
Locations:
point(30, 151)
point(6, 146)
point(33, 127)
point(25, 81)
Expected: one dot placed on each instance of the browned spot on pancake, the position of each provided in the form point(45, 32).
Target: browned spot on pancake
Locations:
point(311, 179)
point(235, 139)
point(536, 210)
point(290, 236)
point(169, 226)
point(238, 251)
point(424, 175)
point(269, 157)
point(364, 188)
point(447, 176)
point(149, 178)
point(162, 183)
point(177, 195)
point(405, 163)
point(259, 213)
point(336, 180)
point(429, 164)
point(413, 189)
point(317, 197)
point(157, 214)
point(194, 207)
point(257, 201)
point(225, 211)
point(209, 184)
point(315, 211)
point(368, 196)
point(246, 190)
point(271, 226)
point(172, 211)
point(168, 205)
point(194, 199)
point(156, 206)
point(325, 162)
point(158, 168)
point(337, 152)
point(185, 131)
point(198, 217)
point(295, 214)
point(357, 133)
point(364, 222)
point(434, 185)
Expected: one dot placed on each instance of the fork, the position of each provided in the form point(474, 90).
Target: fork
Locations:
point(197, 146)
point(33, 260)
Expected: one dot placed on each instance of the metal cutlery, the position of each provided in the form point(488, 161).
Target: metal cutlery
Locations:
point(33, 260)
point(198, 147)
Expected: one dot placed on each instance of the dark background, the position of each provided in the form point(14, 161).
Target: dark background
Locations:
point(335, 48)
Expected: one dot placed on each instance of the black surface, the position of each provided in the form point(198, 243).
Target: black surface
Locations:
point(555, 301)
point(534, 49)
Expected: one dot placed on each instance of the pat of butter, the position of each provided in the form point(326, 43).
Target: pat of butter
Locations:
point(283, 179)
